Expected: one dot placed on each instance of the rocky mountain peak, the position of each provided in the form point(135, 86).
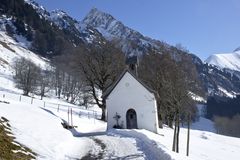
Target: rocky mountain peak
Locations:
point(61, 19)
point(109, 26)
point(130, 41)
point(59, 13)
point(98, 18)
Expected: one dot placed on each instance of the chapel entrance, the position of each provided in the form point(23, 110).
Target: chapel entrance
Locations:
point(131, 119)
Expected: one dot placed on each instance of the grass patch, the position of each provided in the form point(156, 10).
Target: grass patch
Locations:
point(6, 46)
point(10, 149)
point(3, 61)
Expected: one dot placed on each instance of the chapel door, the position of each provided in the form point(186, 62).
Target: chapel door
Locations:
point(131, 118)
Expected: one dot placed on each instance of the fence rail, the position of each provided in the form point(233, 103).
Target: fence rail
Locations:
point(76, 110)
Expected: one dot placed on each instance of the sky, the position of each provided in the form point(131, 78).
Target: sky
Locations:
point(204, 27)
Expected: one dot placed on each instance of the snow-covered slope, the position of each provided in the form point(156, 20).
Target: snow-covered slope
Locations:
point(227, 60)
point(40, 129)
point(10, 49)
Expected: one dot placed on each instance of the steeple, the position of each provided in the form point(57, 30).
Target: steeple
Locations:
point(132, 64)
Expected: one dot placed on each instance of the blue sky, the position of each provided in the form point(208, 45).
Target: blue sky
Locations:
point(204, 27)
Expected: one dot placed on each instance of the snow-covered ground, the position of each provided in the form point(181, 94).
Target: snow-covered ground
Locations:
point(40, 129)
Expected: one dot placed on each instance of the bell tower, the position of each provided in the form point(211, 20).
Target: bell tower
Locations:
point(132, 64)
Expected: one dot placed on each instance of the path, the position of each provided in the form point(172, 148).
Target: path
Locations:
point(123, 144)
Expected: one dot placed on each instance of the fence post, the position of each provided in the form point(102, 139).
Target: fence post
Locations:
point(32, 100)
point(58, 107)
point(71, 117)
point(95, 115)
point(20, 98)
point(79, 113)
point(88, 115)
point(68, 115)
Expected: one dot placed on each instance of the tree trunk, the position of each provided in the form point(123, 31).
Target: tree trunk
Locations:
point(42, 92)
point(103, 107)
point(103, 118)
point(177, 136)
point(59, 93)
point(174, 138)
point(25, 93)
point(188, 134)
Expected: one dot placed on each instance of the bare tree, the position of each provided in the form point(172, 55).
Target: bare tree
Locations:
point(168, 75)
point(44, 83)
point(100, 67)
point(26, 75)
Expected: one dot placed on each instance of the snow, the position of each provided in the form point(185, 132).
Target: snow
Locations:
point(22, 41)
point(42, 131)
point(204, 145)
point(197, 97)
point(228, 94)
point(227, 60)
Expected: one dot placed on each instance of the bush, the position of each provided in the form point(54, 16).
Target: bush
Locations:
point(228, 126)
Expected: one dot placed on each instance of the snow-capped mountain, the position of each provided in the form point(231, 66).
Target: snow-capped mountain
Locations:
point(55, 33)
point(227, 60)
point(130, 41)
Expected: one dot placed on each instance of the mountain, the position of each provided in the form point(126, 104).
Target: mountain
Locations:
point(226, 60)
point(55, 33)
point(130, 41)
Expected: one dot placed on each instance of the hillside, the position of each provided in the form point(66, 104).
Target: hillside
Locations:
point(10, 50)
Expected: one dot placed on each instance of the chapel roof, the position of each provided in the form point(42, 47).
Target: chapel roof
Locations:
point(111, 88)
